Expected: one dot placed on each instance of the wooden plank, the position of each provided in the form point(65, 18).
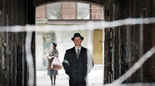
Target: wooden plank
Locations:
point(16, 12)
point(20, 10)
point(9, 78)
point(4, 23)
point(1, 59)
point(7, 59)
point(106, 45)
point(147, 42)
point(19, 60)
point(0, 11)
point(13, 63)
point(114, 11)
point(140, 40)
point(128, 50)
point(153, 57)
point(134, 42)
point(149, 38)
point(4, 72)
point(12, 20)
point(15, 59)
point(3, 13)
point(116, 55)
point(30, 12)
point(8, 13)
point(106, 58)
point(119, 52)
point(153, 38)
point(23, 58)
point(105, 55)
point(12, 56)
point(33, 55)
point(137, 40)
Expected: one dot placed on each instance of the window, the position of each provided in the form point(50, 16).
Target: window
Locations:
point(70, 10)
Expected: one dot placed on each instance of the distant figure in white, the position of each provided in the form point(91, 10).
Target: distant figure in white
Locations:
point(50, 56)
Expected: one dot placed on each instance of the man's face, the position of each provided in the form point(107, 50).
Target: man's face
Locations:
point(77, 41)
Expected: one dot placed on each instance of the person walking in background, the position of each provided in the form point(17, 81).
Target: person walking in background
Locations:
point(52, 53)
point(77, 62)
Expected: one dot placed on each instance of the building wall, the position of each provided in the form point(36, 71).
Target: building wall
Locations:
point(39, 54)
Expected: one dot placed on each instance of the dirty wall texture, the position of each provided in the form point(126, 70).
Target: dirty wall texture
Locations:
point(124, 45)
point(13, 65)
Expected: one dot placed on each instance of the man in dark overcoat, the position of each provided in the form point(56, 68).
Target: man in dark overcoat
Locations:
point(77, 62)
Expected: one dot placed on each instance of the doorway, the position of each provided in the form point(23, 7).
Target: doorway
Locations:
point(97, 46)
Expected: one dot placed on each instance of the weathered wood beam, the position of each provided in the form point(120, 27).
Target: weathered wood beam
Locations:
point(0, 12)
point(1, 60)
point(4, 13)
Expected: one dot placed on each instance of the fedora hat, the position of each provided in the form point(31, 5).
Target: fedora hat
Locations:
point(77, 35)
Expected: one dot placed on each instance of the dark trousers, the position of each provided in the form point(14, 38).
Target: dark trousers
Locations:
point(73, 82)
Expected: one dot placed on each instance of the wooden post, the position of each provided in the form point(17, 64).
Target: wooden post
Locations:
point(3, 13)
point(107, 18)
point(4, 65)
point(138, 38)
point(153, 38)
point(15, 59)
point(23, 58)
point(12, 12)
point(0, 11)
point(1, 59)
point(115, 17)
point(129, 39)
point(133, 35)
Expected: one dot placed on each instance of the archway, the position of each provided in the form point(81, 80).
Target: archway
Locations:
point(69, 20)
point(96, 2)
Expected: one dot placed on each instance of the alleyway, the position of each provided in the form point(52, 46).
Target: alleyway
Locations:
point(95, 77)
